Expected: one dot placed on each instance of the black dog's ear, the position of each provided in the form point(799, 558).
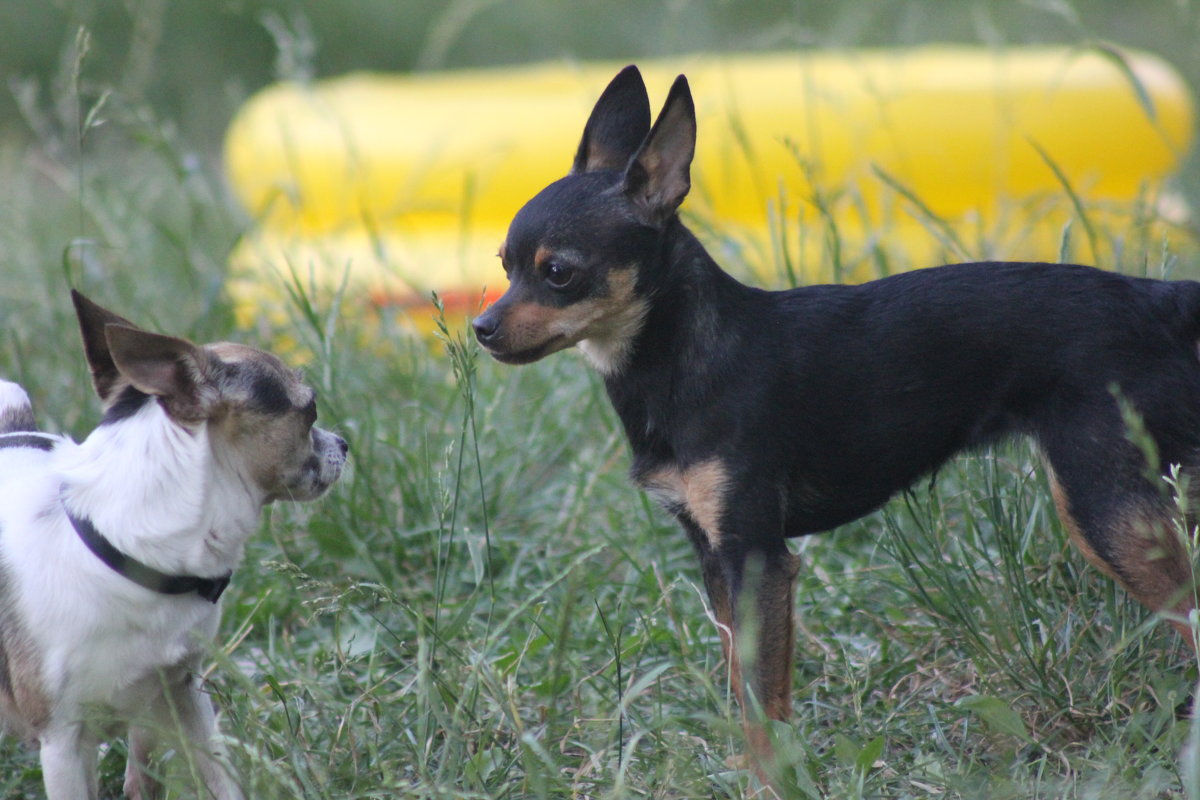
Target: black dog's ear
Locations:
point(659, 175)
point(92, 321)
point(617, 125)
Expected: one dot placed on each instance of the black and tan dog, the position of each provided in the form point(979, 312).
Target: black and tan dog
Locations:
point(757, 416)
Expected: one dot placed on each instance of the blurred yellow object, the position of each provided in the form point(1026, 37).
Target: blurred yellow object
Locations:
point(813, 163)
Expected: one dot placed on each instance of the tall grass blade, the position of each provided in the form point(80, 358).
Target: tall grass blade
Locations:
point(1077, 203)
point(942, 230)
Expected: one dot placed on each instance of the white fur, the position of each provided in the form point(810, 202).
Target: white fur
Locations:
point(12, 396)
point(153, 489)
point(609, 332)
point(607, 356)
point(172, 506)
point(78, 637)
point(16, 413)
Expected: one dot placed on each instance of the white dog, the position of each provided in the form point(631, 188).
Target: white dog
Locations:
point(114, 551)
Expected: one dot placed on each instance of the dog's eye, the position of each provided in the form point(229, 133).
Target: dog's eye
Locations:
point(559, 275)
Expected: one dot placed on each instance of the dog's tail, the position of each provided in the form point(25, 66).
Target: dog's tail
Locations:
point(16, 412)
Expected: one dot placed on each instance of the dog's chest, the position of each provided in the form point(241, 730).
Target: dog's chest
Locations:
point(119, 661)
point(99, 640)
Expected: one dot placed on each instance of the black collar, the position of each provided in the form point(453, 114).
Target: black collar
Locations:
point(34, 439)
point(148, 577)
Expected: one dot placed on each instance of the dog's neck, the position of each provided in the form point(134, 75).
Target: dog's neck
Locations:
point(676, 284)
point(156, 490)
point(689, 297)
point(670, 363)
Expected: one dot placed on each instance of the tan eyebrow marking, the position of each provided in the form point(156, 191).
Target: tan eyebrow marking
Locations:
point(543, 255)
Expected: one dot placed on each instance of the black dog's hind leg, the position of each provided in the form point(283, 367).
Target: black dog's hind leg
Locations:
point(1131, 532)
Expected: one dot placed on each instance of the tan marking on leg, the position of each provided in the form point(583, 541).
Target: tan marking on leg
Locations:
point(768, 602)
point(1062, 505)
point(138, 780)
point(773, 597)
point(1150, 560)
point(1156, 567)
point(1153, 561)
point(699, 490)
point(704, 495)
point(665, 484)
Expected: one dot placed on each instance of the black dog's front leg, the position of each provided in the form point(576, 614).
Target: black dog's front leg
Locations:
point(750, 586)
point(761, 583)
point(720, 598)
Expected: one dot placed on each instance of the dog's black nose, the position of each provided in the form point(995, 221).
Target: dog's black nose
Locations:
point(486, 326)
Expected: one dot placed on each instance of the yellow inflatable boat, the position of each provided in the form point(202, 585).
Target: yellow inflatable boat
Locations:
point(827, 166)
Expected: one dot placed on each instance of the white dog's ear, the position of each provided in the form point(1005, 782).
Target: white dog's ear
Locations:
point(171, 369)
point(92, 321)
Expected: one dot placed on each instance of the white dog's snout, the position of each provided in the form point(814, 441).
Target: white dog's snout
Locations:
point(332, 452)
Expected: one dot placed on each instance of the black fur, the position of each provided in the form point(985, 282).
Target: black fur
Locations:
point(127, 404)
point(853, 392)
point(268, 395)
point(31, 440)
point(815, 405)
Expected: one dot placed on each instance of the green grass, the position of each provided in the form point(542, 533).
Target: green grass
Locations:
point(486, 608)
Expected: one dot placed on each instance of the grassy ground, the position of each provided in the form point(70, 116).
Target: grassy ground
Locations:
point(485, 608)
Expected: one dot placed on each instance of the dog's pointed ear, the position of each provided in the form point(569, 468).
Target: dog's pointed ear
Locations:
point(617, 125)
point(92, 321)
point(659, 175)
point(163, 366)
